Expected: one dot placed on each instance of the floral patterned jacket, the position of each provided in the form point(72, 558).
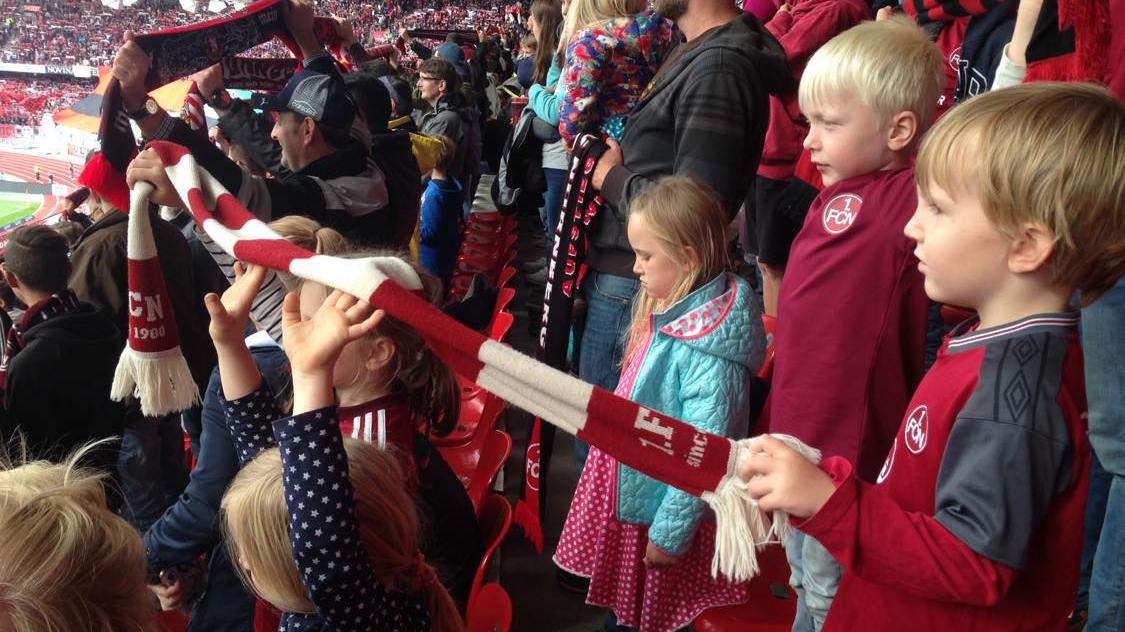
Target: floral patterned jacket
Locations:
point(607, 70)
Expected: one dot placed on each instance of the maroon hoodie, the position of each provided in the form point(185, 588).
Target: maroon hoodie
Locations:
point(801, 31)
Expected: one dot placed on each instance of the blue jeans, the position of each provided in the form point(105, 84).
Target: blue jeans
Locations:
point(552, 202)
point(1100, 481)
point(609, 303)
point(1103, 338)
point(815, 576)
point(152, 467)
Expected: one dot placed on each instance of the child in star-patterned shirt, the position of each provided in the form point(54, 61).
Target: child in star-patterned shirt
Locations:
point(332, 555)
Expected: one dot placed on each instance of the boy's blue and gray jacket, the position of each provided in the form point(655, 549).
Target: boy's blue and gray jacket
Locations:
point(696, 367)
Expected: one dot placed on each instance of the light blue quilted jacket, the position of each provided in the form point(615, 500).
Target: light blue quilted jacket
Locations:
point(696, 367)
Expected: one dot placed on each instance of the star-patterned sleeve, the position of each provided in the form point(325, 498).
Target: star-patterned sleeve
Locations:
point(249, 420)
point(324, 531)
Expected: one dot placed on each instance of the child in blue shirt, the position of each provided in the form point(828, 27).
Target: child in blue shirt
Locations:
point(440, 237)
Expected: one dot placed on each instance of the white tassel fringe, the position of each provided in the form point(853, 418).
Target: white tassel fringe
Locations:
point(161, 381)
point(741, 528)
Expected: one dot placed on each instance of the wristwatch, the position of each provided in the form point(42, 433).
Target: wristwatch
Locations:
point(148, 109)
point(220, 100)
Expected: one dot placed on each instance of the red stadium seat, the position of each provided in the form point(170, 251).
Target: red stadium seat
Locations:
point(506, 275)
point(491, 611)
point(764, 611)
point(478, 462)
point(495, 518)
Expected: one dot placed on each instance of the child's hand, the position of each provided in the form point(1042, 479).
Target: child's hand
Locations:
point(230, 313)
point(656, 557)
point(780, 478)
point(313, 345)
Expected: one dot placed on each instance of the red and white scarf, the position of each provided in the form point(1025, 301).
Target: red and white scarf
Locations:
point(667, 449)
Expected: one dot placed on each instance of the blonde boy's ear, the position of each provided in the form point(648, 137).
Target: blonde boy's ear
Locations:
point(1032, 247)
point(902, 131)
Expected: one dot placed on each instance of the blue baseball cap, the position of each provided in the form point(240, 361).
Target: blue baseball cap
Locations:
point(317, 95)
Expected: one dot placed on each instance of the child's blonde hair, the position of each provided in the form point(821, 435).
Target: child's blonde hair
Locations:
point(307, 233)
point(1045, 153)
point(66, 561)
point(891, 66)
point(445, 154)
point(255, 522)
point(681, 213)
point(583, 14)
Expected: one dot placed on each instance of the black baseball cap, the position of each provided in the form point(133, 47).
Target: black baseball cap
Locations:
point(317, 95)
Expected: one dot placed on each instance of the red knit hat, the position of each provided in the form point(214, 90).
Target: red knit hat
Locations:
point(104, 179)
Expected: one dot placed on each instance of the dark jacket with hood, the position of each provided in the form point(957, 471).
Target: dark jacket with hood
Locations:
point(58, 387)
point(705, 116)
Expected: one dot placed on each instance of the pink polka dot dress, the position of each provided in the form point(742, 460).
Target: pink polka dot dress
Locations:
point(596, 545)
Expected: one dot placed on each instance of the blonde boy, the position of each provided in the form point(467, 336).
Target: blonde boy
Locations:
point(852, 309)
point(974, 520)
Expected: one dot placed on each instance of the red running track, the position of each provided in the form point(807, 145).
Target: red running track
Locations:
point(22, 167)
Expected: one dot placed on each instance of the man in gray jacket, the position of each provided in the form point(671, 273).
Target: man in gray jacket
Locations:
point(447, 112)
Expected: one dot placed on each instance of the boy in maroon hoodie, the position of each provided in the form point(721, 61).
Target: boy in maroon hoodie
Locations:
point(974, 521)
point(851, 320)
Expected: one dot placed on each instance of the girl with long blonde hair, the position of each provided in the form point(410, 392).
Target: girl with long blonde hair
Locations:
point(694, 342)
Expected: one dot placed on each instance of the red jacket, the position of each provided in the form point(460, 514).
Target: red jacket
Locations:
point(975, 523)
point(800, 32)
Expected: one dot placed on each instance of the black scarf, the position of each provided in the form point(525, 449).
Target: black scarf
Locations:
point(181, 51)
point(581, 206)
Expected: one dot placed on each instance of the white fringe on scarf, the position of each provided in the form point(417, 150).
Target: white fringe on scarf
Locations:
point(741, 527)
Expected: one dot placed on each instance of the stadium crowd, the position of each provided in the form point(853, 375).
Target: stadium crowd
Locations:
point(904, 223)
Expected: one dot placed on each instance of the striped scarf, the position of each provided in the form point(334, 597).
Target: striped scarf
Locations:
point(567, 268)
point(647, 440)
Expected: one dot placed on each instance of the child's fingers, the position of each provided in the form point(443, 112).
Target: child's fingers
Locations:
point(771, 446)
point(367, 326)
point(770, 502)
point(756, 464)
point(214, 306)
point(344, 301)
point(357, 311)
point(291, 310)
point(758, 487)
point(331, 299)
point(254, 274)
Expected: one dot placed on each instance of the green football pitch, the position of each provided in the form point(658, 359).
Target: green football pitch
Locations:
point(16, 206)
